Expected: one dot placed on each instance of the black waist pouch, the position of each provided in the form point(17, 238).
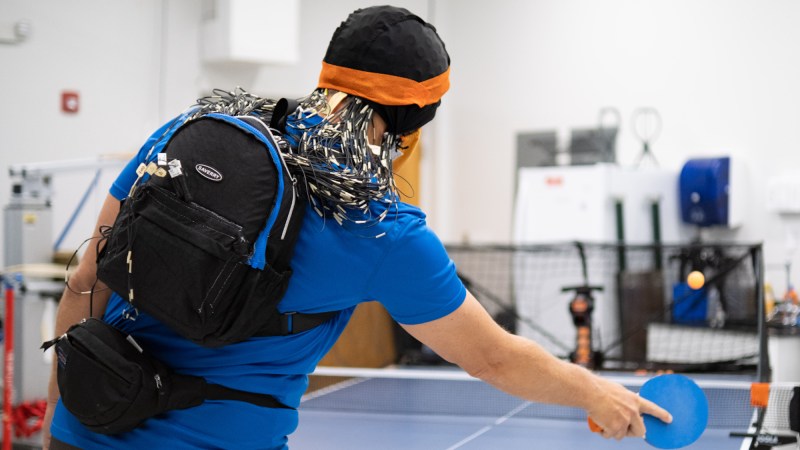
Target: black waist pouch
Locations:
point(111, 385)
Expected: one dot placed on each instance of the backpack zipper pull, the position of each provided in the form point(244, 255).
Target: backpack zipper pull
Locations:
point(176, 173)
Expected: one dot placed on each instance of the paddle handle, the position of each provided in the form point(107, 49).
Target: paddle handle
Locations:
point(594, 426)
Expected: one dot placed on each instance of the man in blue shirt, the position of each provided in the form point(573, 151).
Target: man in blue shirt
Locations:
point(385, 71)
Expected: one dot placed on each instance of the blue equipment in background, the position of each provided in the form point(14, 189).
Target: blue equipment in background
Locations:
point(689, 306)
point(705, 192)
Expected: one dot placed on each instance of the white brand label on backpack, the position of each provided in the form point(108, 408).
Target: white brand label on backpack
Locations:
point(208, 172)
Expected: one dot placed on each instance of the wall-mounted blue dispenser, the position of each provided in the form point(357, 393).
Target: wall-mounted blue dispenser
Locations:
point(705, 198)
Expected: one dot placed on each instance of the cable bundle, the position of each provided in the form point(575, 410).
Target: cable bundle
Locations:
point(236, 103)
point(344, 175)
point(343, 172)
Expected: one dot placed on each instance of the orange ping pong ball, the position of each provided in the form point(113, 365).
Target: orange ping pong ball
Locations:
point(696, 280)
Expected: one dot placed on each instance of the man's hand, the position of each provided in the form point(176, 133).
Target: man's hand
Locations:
point(618, 411)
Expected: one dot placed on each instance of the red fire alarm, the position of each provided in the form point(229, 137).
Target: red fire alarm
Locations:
point(70, 102)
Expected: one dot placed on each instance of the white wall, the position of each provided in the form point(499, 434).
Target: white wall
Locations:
point(723, 75)
point(135, 63)
point(106, 51)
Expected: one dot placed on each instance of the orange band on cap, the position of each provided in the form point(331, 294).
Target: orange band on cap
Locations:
point(389, 90)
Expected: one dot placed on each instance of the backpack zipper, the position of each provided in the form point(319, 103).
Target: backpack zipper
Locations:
point(294, 184)
point(291, 207)
point(274, 142)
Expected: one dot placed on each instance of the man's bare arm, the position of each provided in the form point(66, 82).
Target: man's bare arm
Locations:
point(470, 338)
point(74, 305)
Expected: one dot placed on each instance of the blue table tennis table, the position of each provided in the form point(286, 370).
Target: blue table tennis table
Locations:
point(448, 414)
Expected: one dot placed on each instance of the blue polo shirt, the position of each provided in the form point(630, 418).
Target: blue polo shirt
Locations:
point(335, 268)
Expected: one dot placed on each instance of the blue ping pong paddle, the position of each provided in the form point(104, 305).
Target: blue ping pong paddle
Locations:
point(684, 400)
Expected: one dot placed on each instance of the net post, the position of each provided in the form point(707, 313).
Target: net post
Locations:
point(763, 373)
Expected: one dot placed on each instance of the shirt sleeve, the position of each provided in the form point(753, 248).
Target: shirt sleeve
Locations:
point(122, 185)
point(417, 281)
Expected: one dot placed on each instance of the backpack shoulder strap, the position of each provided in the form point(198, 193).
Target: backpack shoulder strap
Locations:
point(283, 108)
point(293, 323)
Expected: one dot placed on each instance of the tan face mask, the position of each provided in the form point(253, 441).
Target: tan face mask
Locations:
point(335, 99)
point(408, 144)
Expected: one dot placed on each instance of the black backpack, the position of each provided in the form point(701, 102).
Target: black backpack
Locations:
point(204, 241)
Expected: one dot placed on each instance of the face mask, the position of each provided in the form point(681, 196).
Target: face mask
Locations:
point(335, 99)
point(408, 144)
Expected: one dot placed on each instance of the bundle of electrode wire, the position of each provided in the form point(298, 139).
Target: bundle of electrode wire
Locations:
point(329, 151)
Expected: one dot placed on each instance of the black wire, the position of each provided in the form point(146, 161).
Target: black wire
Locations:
point(72, 258)
point(105, 232)
point(344, 178)
point(343, 175)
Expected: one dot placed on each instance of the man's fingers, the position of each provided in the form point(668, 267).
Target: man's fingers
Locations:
point(618, 434)
point(636, 428)
point(648, 407)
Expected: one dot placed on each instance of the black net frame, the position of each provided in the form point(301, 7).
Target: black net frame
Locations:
point(646, 316)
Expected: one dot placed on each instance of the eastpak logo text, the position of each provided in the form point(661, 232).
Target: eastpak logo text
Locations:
point(208, 172)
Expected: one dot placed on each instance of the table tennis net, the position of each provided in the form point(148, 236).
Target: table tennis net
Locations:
point(644, 315)
point(446, 391)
